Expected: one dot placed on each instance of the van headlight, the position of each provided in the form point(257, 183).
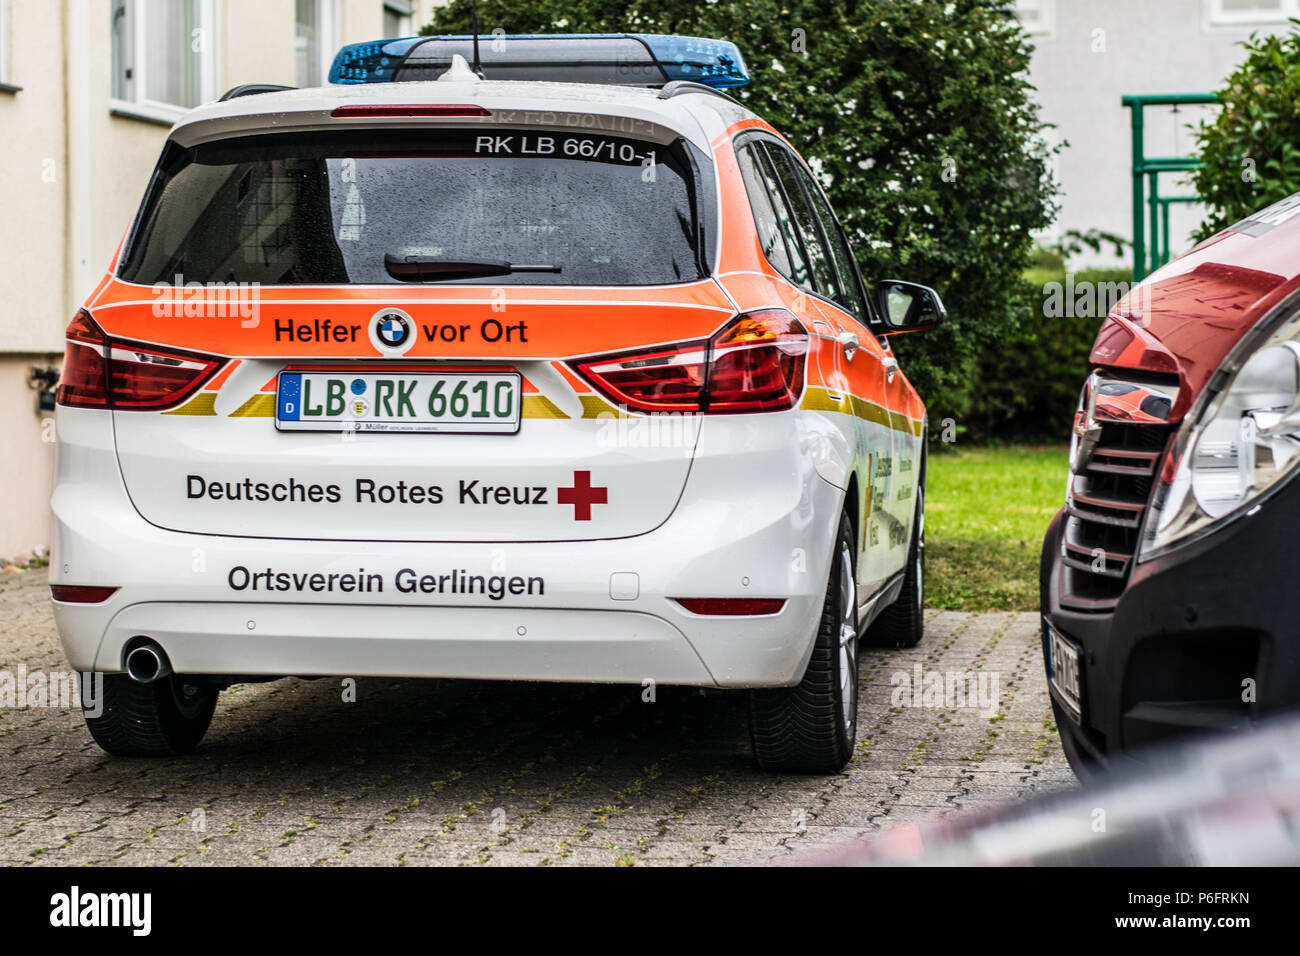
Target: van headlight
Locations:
point(1240, 442)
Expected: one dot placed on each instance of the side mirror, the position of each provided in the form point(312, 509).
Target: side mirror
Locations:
point(908, 307)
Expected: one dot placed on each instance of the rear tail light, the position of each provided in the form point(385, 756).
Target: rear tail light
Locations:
point(732, 607)
point(755, 363)
point(660, 380)
point(84, 381)
point(99, 372)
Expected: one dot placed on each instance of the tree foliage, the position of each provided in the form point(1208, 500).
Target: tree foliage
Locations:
point(1251, 149)
point(917, 114)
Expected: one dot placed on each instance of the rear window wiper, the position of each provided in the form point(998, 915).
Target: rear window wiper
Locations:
point(439, 269)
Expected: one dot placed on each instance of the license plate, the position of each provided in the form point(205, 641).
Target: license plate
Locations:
point(1063, 670)
point(398, 402)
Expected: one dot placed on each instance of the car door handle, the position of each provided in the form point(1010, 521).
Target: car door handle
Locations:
point(891, 366)
point(849, 342)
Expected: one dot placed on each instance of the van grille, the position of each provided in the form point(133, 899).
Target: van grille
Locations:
point(1110, 489)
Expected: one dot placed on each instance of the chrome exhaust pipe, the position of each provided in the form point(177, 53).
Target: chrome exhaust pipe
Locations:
point(147, 663)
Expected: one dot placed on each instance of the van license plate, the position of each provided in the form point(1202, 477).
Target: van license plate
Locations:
point(1063, 667)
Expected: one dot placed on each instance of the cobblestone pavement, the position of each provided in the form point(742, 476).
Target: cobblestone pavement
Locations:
point(441, 772)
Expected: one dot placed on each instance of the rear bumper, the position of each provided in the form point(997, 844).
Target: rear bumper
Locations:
point(383, 641)
point(1202, 639)
point(599, 611)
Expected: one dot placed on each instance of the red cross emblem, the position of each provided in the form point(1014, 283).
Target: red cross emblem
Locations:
point(582, 496)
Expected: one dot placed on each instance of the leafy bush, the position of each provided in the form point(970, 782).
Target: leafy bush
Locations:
point(1251, 150)
point(1029, 385)
point(919, 117)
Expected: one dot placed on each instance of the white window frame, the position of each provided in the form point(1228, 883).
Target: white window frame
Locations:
point(1046, 10)
point(403, 8)
point(1220, 17)
point(136, 104)
point(5, 81)
point(327, 37)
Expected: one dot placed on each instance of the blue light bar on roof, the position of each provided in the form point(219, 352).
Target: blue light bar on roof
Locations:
point(374, 62)
point(621, 59)
point(715, 63)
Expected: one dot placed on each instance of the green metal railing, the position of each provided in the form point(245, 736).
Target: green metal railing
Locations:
point(1147, 201)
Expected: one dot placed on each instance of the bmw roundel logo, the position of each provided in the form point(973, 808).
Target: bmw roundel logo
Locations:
point(392, 331)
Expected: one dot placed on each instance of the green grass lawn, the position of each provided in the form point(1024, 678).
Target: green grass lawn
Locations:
point(986, 510)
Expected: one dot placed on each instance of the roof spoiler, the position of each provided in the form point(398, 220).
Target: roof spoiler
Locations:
point(252, 89)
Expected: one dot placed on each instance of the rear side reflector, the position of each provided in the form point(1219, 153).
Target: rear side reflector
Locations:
point(755, 363)
point(99, 372)
point(80, 593)
point(732, 607)
point(443, 109)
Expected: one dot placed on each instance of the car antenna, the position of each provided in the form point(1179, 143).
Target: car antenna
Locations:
point(478, 66)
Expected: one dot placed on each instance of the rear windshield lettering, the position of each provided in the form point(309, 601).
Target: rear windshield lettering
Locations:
point(597, 148)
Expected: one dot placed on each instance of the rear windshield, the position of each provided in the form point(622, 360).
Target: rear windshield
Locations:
point(324, 208)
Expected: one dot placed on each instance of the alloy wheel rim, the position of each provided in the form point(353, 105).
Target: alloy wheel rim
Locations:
point(920, 554)
point(848, 640)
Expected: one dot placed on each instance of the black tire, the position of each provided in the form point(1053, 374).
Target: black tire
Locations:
point(165, 718)
point(812, 727)
point(902, 624)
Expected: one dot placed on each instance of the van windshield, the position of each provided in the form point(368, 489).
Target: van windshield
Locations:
point(327, 208)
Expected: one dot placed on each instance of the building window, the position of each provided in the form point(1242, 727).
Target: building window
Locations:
point(1253, 11)
point(314, 40)
point(164, 56)
point(398, 19)
point(1038, 17)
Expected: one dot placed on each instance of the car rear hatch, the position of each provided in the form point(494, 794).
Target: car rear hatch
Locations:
point(395, 317)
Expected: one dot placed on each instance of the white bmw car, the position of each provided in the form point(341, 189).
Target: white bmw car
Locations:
point(549, 370)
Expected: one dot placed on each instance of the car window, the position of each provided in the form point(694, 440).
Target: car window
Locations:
point(788, 172)
point(770, 236)
point(1157, 406)
point(800, 273)
point(842, 258)
point(328, 207)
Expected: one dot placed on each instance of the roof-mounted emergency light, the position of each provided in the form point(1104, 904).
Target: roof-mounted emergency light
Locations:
point(620, 59)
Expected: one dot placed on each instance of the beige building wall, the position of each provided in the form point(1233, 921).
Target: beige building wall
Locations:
point(72, 170)
point(1089, 54)
point(33, 171)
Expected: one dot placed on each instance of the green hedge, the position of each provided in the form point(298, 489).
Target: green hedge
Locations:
point(1026, 386)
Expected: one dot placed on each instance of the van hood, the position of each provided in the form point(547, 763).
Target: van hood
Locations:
point(1185, 318)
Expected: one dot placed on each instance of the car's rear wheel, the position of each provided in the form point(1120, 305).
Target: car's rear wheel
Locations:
point(812, 727)
point(902, 624)
point(164, 718)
